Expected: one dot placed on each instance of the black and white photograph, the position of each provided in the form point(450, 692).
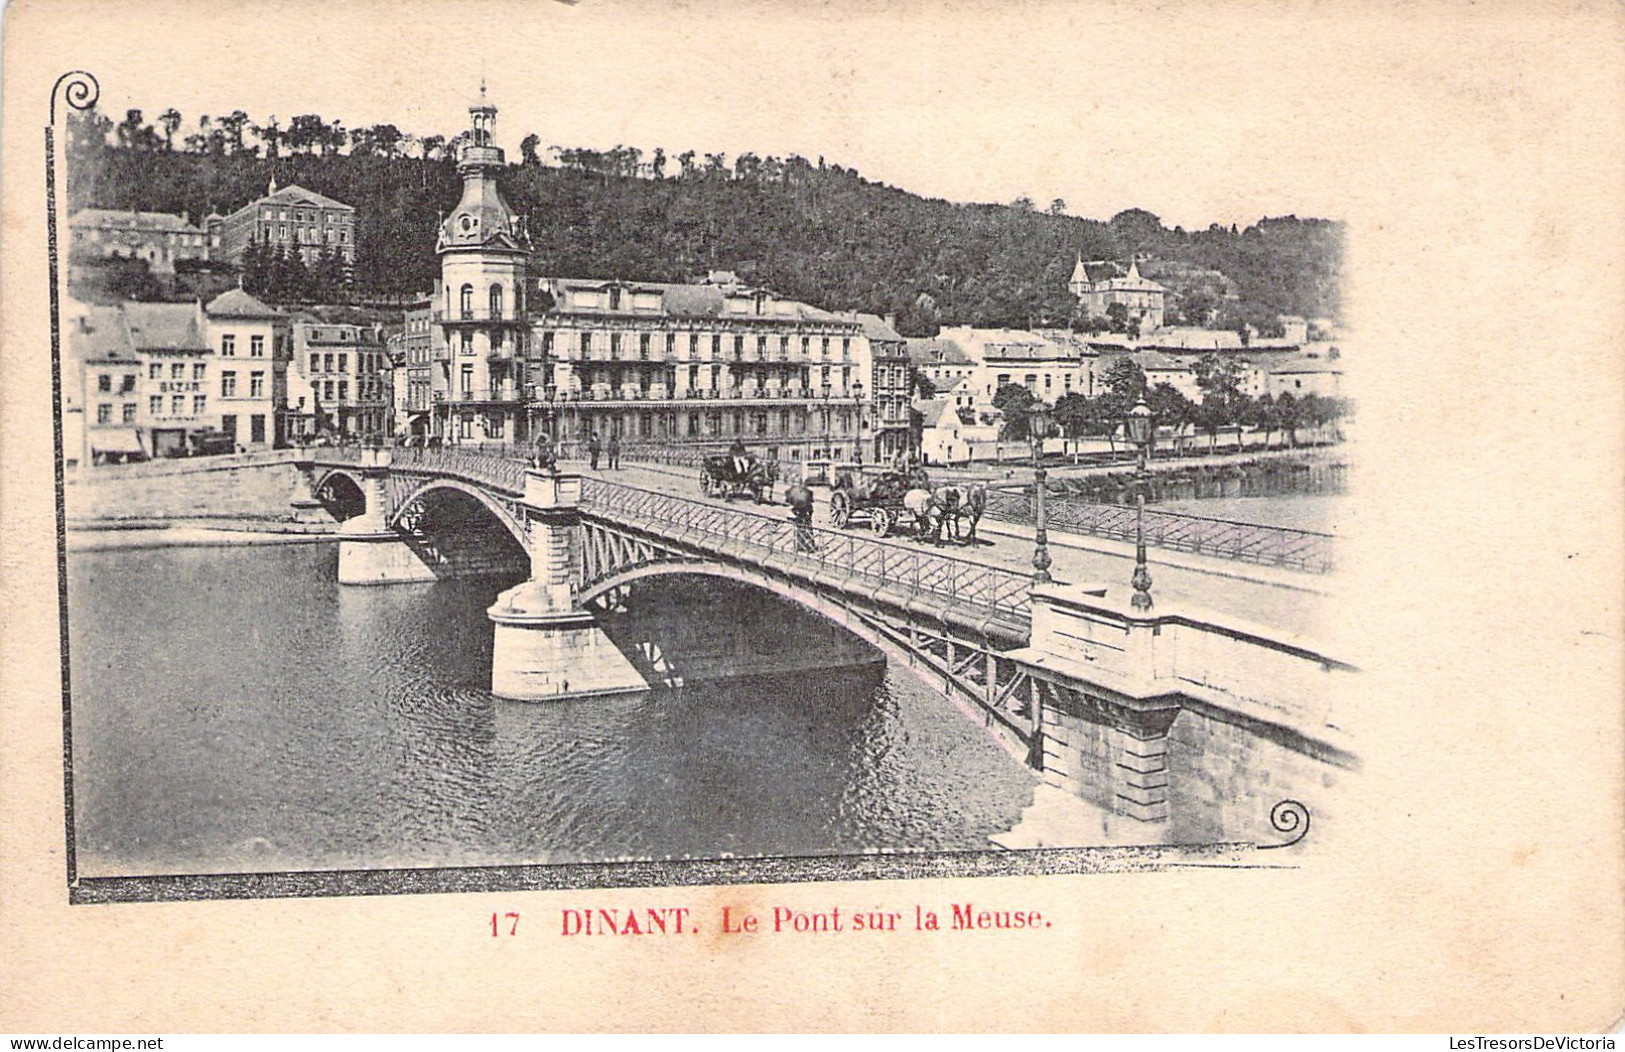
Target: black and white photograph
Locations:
point(476, 499)
point(583, 447)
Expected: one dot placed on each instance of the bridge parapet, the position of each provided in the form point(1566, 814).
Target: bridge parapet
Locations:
point(1113, 681)
point(989, 599)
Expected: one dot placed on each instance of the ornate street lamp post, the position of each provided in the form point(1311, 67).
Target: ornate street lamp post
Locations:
point(1139, 432)
point(1038, 423)
point(857, 399)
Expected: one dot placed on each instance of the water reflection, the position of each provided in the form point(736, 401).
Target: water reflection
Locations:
point(235, 709)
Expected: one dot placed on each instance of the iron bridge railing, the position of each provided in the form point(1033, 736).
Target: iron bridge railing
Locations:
point(500, 469)
point(858, 561)
point(1249, 542)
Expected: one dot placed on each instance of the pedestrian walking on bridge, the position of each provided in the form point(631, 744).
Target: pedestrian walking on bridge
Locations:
point(800, 499)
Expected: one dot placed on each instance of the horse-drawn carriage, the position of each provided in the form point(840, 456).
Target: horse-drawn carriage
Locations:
point(883, 498)
point(875, 496)
point(730, 475)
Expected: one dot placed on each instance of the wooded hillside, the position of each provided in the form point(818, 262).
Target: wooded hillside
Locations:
point(811, 230)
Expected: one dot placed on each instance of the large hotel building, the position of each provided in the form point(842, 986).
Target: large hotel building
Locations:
point(696, 365)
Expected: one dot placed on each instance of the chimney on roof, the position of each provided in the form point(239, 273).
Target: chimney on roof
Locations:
point(891, 321)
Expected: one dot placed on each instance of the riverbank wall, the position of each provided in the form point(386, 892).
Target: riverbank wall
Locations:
point(251, 488)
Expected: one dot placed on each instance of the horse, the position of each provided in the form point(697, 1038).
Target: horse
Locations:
point(920, 503)
point(966, 502)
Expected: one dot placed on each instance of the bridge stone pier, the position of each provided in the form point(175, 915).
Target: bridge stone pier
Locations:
point(547, 646)
point(370, 551)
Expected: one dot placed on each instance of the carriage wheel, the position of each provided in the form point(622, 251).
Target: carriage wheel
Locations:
point(840, 509)
point(880, 522)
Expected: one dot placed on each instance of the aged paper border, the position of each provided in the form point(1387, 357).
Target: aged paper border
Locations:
point(1474, 881)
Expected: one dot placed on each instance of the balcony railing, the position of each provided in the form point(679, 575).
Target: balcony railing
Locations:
point(505, 393)
point(473, 315)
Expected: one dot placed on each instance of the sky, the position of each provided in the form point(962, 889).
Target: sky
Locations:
point(1201, 114)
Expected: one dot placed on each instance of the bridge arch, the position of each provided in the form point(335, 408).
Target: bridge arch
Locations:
point(402, 516)
point(340, 492)
point(805, 598)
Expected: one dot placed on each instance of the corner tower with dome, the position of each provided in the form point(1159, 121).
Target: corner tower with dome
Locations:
point(482, 315)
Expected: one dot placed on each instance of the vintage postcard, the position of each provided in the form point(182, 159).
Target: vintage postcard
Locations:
point(1017, 516)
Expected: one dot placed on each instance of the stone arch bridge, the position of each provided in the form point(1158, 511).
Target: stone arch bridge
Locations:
point(1075, 683)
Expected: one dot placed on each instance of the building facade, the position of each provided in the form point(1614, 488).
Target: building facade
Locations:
point(303, 221)
point(482, 316)
point(101, 389)
point(884, 407)
point(252, 349)
point(339, 383)
point(699, 364)
point(1098, 288)
point(157, 237)
point(411, 354)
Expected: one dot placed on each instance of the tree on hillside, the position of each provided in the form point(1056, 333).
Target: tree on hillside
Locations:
point(527, 149)
point(170, 119)
point(232, 126)
point(269, 133)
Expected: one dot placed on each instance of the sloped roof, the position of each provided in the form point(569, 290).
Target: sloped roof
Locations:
point(293, 194)
point(877, 328)
point(931, 410)
point(1131, 282)
point(154, 221)
point(101, 335)
point(164, 326)
point(935, 350)
point(235, 303)
point(1298, 364)
point(705, 300)
point(692, 301)
point(1191, 338)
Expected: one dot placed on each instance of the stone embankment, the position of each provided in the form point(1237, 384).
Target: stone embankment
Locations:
point(244, 493)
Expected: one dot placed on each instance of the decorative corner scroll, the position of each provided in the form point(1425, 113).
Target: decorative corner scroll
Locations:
point(1291, 818)
point(78, 89)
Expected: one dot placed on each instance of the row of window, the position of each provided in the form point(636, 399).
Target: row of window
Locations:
point(104, 383)
point(256, 384)
point(104, 413)
point(156, 405)
point(123, 236)
point(619, 346)
point(493, 299)
point(228, 346)
point(307, 235)
point(300, 215)
point(645, 425)
point(330, 362)
point(616, 377)
point(177, 371)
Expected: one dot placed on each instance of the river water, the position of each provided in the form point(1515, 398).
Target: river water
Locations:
point(235, 710)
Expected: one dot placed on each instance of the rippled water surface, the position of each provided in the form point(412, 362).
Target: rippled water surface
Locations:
point(234, 709)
